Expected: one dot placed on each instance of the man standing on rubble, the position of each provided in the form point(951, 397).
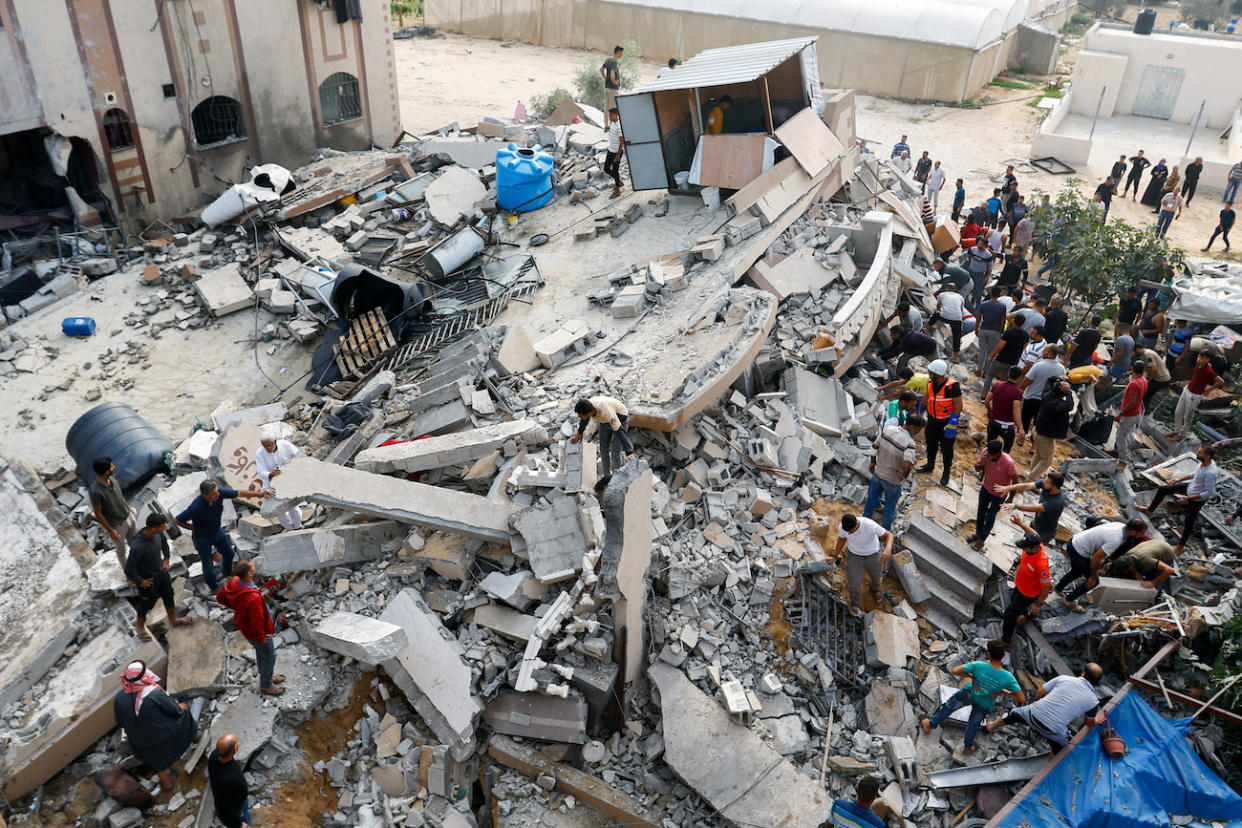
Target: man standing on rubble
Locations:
point(254, 620)
point(922, 168)
point(895, 453)
point(986, 682)
point(1090, 549)
point(944, 408)
point(979, 261)
point(147, 568)
point(998, 471)
point(616, 141)
point(229, 789)
point(1008, 353)
point(272, 454)
point(1036, 376)
point(611, 70)
point(935, 183)
point(1203, 378)
point(1031, 585)
point(1047, 511)
point(1004, 403)
point(203, 517)
point(110, 508)
point(1051, 424)
point(1130, 414)
point(860, 538)
point(991, 324)
point(612, 418)
point(159, 729)
point(1058, 705)
point(1197, 489)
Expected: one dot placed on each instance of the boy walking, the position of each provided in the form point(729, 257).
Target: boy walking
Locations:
point(986, 682)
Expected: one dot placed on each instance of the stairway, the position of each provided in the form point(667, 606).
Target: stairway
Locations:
point(954, 573)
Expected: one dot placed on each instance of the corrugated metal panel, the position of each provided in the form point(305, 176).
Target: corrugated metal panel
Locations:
point(731, 64)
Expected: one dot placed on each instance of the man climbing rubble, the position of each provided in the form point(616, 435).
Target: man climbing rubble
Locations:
point(895, 453)
point(1058, 705)
point(860, 538)
point(147, 568)
point(1047, 511)
point(110, 508)
point(1088, 550)
point(986, 681)
point(1031, 585)
point(866, 810)
point(1196, 490)
point(1150, 563)
point(613, 418)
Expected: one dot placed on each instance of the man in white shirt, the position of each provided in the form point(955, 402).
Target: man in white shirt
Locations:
point(272, 454)
point(860, 538)
point(935, 182)
point(1059, 705)
point(1170, 204)
point(612, 161)
point(672, 64)
point(951, 309)
point(1087, 551)
point(1198, 489)
point(902, 162)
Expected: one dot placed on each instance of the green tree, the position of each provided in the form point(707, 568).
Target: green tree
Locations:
point(400, 8)
point(1214, 12)
point(590, 83)
point(1095, 260)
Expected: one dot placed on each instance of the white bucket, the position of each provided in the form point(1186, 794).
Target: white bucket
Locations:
point(711, 197)
point(682, 179)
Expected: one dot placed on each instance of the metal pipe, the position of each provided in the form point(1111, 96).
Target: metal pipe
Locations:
point(1096, 117)
point(1194, 127)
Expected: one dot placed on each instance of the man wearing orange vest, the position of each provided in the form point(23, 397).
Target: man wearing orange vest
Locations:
point(1031, 585)
point(944, 406)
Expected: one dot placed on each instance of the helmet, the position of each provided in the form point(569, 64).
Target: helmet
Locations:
point(938, 367)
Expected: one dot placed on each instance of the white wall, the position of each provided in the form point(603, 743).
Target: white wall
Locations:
point(1048, 141)
point(1213, 65)
point(1093, 72)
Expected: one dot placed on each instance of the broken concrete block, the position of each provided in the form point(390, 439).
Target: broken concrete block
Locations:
point(432, 674)
point(557, 346)
point(304, 478)
point(516, 353)
point(627, 555)
point(889, 712)
point(253, 721)
point(1120, 596)
point(511, 624)
point(449, 556)
point(367, 640)
point(890, 640)
point(454, 193)
point(196, 659)
point(511, 588)
point(728, 764)
point(555, 541)
point(224, 291)
point(449, 449)
point(319, 548)
point(536, 716)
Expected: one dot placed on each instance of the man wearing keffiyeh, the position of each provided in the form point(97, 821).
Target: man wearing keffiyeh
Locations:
point(159, 729)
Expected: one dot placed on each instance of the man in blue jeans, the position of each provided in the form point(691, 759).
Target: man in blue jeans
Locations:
point(203, 518)
point(895, 453)
point(988, 680)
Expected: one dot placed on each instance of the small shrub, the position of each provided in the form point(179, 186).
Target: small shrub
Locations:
point(541, 106)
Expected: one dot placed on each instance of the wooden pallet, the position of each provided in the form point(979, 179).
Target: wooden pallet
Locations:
point(367, 341)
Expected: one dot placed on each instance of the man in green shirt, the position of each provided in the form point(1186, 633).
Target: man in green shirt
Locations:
point(951, 274)
point(987, 680)
point(111, 510)
point(1150, 562)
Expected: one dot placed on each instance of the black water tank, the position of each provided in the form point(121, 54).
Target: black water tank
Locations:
point(1145, 22)
point(137, 448)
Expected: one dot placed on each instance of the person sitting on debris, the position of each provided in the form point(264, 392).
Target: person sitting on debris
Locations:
point(986, 682)
point(907, 403)
point(615, 446)
point(147, 569)
point(1062, 701)
point(1004, 403)
point(895, 454)
point(110, 508)
point(1047, 511)
point(907, 344)
point(254, 620)
point(159, 729)
point(203, 518)
point(863, 811)
point(715, 117)
point(1031, 585)
point(1149, 562)
point(272, 454)
point(1197, 489)
point(1203, 378)
point(860, 537)
point(1089, 549)
point(944, 408)
point(907, 380)
point(998, 471)
point(229, 789)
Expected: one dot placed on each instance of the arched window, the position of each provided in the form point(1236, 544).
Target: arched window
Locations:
point(116, 129)
point(216, 120)
point(339, 99)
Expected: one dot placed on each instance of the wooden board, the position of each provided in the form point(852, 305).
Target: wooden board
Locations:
point(809, 141)
point(368, 340)
point(564, 114)
point(749, 196)
point(731, 161)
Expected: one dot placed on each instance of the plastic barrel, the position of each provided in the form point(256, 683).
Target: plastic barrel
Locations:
point(453, 252)
point(78, 326)
point(523, 178)
point(116, 430)
point(1145, 22)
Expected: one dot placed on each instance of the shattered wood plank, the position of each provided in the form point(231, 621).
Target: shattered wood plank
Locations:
point(809, 141)
point(753, 193)
point(593, 792)
point(732, 161)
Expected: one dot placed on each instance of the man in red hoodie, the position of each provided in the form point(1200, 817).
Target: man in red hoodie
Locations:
point(254, 620)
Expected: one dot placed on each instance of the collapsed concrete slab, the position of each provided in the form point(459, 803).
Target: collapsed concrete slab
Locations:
point(196, 657)
point(1121, 596)
point(353, 490)
point(554, 538)
point(628, 535)
point(453, 449)
point(432, 674)
point(747, 781)
point(512, 624)
point(799, 273)
point(73, 726)
point(536, 716)
point(251, 719)
point(223, 290)
point(318, 548)
point(889, 640)
point(368, 640)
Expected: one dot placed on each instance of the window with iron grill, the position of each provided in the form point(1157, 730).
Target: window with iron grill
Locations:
point(217, 120)
point(339, 99)
point(117, 129)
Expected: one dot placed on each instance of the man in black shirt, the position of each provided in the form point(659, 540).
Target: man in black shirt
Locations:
point(1227, 218)
point(1190, 179)
point(1106, 191)
point(1014, 271)
point(1082, 349)
point(921, 168)
point(147, 568)
point(1047, 511)
point(1128, 308)
point(1137, 164)
point(1055, 319)
point(1006, 354)
point(1119, 168)
point(907, 343)
point(228, 784)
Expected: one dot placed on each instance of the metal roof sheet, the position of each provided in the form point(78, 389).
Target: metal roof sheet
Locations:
point(730, 64)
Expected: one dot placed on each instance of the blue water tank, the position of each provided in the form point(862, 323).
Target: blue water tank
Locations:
point(78, 326)
point(523, 178)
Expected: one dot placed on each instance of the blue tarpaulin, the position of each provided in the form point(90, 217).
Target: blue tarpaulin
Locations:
point(1160, 778)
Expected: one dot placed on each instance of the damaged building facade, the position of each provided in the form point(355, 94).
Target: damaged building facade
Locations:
point(105, 120)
